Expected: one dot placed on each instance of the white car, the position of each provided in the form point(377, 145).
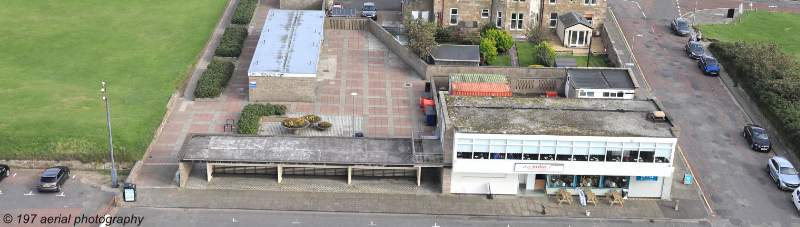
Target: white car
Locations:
point(796, 198)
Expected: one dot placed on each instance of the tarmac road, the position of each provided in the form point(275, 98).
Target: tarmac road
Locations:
point(732, 176)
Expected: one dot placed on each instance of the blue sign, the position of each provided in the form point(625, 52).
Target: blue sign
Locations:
point(647, 178)
point(687, 179)
point(252, 84)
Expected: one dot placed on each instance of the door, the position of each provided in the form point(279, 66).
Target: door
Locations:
point(531, 182)
point(773, 170)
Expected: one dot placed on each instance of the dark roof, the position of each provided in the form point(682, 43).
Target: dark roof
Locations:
point(564, 62)
point(457, 53)
point(600, 78)
point(572, 18)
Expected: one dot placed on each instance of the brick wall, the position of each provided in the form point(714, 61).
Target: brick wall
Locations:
point(283, 89)
point(301, 5)
point(73, 165)
point(598, 11)
point(447, 174)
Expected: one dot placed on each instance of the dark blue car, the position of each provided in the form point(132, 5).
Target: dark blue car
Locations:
point(709, 65)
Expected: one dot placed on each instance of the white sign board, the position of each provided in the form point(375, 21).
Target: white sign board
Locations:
point(538, 167)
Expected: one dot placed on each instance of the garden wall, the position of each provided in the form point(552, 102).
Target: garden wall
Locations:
point(302, 5)
point(397, 48)
point(283, 89)
point(611, 29)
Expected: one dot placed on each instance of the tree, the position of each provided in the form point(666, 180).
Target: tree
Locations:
point(420, 34)
point(488, 51)
point(545, 54)
point(502, 40)
point(443, 34)
point(537, 34)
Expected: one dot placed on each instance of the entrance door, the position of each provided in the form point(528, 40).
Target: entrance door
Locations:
point(531, 182)
point(578, 38)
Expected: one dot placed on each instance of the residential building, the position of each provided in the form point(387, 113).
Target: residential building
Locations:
point(594, 11)
point(508, 15)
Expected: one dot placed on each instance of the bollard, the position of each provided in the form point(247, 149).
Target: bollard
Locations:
point(676, 204)
point(587, 213)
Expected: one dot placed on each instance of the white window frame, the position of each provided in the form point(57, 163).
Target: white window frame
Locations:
point(485, 12)
point(517, 21)
point(590, 2)
point(553, 21)
point(552, 2)
point(499, 20)
point(453, 14)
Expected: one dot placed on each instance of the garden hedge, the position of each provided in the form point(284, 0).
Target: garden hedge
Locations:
point(769, 76)
point(214, 79)
point(232, 42)
point(244, 12)
point(252, 113)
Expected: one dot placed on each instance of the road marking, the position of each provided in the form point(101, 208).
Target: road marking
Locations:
point(654, 30)
point(62, 194)
point(695, 181)
point(645, 16)
point(370, 223)
point(15, 174)
point(637, 4)
point(30, 193)
point(73, 176)
point(434, 225)
point(1, 192)
point(295, 221)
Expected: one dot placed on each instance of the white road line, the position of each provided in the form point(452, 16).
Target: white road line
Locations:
point(73, 176)
point(30, 193)
point(434, 225)
point(1, 192)
point(15, 174)
point(62, 194)
point(645, 16)
point(370, 223)
point(654, 30)
point(295, 221)
point(234, 220)
point(637, 5)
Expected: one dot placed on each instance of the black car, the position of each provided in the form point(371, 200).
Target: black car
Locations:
point(680, 27)
point(53, 179)
point(757, 137)
point(694, 49)
point(4, 171)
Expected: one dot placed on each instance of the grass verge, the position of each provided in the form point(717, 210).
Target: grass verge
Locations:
point(755, 26)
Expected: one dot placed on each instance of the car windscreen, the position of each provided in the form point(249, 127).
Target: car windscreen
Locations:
point(48, 180)
point(760, 135)
point(788, 170)
point(697, 47)
point(369, 8)
point(711, 62)
point(682, 24)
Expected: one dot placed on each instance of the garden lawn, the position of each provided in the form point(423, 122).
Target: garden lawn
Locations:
point(782, 28)
point(55, 54)
point(502, 60)
point(526, 59)
point(595, 62)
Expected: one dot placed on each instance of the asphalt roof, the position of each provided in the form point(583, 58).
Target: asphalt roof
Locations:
point(457, 53)
point(301, 150)
point(289, 43)
point(572, 18)
point(601, 78)
point(555, 116)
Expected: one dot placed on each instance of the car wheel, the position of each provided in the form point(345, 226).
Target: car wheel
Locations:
point(744, 135)
point(778, 183)
point(753, 146)
point(59, 189)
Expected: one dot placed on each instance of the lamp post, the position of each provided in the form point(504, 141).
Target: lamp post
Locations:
point(110, 143)
point(695, 12)
point(354, 113)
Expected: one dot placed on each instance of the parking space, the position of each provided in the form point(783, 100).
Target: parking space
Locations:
point(82, 194)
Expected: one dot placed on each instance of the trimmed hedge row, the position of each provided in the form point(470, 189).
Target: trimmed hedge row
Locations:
point(231, 43)
point(770, 77)
point(244, 12)
point(214, 79)
point(252, 113)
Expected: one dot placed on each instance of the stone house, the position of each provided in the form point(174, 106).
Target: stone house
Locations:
point(593, 10)
point(508, 15)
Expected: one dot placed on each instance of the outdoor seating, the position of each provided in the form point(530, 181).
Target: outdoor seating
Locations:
point(614, 197)
point(563, 196)
point(590, 196)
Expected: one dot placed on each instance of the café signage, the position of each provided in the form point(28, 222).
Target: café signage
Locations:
point(538, 167)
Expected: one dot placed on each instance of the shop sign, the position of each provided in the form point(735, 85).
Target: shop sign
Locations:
point(252, 84)
point(538, 167)
point(647, 178)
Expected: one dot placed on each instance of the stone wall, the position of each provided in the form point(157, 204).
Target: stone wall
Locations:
point(301, 5)
point(418, 5)
point(73, 165)
point(611, 47)
point(468, 10)
point(521, 80)
point(283, 89)
point(447, 174)
point(598, 11)
point(397, 48)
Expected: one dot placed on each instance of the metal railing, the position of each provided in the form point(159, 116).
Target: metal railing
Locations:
point(422, 157)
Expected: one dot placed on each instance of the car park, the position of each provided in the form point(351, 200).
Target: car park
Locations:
point(4, 171)
point(709, 65)
point(783, 173)
point(757, 137)
point(53, 179)
point(369, 10)
point(680, 27)
point(694, 49)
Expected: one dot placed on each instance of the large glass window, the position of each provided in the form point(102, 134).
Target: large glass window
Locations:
point(453, 16)
point(563, 150)
point(589, 181)
point(615, 182)
point(562, 181)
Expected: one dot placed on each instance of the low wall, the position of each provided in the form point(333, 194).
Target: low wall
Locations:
point(301, 5)
point(397, 48)
point(283, 89)
point(73, 165)
point(610, 29)
point(346, 23)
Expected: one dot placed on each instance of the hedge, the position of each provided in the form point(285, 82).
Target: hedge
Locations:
point(214, 79)
point(231, 43)
point(252, 113)
point(769, 76)
point(244, 12)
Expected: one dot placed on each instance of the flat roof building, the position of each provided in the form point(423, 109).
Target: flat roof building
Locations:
point(603, 83)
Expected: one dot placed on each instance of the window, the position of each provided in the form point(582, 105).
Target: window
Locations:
point(553, 17)
point(454, 16)
point(552, 1)
point(613, 94)
point(590, 181)
point(590, 2)
point(516, 21)
point(615, 182)
point(499, 22)
point(533, 19)
point(484, 13)
point(589, 18)
point(561, 181)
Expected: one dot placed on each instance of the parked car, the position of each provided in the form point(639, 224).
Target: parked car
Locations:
point(709, 65)
point(369, 10)
point(694, 49)
point(783, 173)
point(796, 198)
point(680, 27)
point(53, 179)
point(757, 137)
point(4, 171)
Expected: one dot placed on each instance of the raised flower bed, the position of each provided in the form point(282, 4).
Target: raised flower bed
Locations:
point(322, 126)
point(295, 124)
point(313, 119)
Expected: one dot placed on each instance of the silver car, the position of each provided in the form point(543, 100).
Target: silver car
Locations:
point(783, 173)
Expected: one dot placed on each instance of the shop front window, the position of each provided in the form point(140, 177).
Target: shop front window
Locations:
point(562, 181)
point(615, 182)
point(589, 181)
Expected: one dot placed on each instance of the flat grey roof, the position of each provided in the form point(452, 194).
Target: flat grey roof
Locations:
point(555, 116)
point(300, 150)
point(289, 42)
point(601, 78)
point(457, 53)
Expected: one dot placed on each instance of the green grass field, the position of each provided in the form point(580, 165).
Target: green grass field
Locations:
point(502, 60)
point(783, 28)
point(54, 55)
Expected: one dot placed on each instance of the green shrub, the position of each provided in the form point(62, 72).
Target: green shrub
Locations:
point(544, 54)
point(244, 12)
point(443, 34)
point(252, 113)
point(502, 40)
point(232, 42)
point(488, 50)
point(214, 78)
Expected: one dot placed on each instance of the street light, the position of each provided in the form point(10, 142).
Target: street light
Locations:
point(695, 12)
point(354, 113)
point(634, 42)
point(110, 143)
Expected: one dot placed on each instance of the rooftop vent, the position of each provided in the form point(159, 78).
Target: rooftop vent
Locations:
point(657, 116)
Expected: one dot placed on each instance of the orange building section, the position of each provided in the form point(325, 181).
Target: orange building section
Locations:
point(480, 89)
